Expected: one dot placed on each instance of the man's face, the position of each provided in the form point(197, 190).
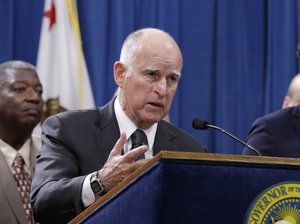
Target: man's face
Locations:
point(150, 84)
point(21, 98)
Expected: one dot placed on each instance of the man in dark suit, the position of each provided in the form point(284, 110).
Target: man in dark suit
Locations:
point(21, 107)
point(86, 153)
point(278, 133)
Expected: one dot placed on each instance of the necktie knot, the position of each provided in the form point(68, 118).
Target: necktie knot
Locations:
point(138, 138)
point(18, 162)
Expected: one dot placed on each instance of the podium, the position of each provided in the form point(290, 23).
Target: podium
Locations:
point(190, 188)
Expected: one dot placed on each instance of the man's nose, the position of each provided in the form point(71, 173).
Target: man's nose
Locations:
point(161, 87)
point(34, 95)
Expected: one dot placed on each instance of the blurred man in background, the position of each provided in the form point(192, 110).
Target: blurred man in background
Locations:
point(292, 97)
point(278, 133)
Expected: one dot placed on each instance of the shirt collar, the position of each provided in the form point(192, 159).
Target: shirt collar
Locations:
point(10, 153)
point(127, 126)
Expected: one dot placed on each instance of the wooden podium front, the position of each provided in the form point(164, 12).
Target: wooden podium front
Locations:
point(188, 188)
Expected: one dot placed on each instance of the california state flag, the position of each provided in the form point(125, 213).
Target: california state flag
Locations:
point(60, 64)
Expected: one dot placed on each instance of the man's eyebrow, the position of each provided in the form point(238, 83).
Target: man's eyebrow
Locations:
point(177, 73)
point(155, 70)
point(152, 69)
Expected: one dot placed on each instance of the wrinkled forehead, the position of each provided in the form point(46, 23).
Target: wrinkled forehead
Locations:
point(159, 65)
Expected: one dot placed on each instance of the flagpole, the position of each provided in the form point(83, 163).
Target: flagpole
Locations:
point(74, 20)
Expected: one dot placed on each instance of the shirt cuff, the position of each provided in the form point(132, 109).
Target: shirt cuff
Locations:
point(87, 195)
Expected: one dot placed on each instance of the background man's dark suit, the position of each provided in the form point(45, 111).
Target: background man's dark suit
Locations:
point(276, 134)
point(81, 146)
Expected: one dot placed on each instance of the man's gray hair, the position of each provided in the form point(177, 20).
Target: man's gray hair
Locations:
point(14, 65)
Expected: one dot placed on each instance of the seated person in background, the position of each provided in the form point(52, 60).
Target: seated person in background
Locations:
point(99, 144)
point(278, 133)
point(293, 95)
point(21, 107)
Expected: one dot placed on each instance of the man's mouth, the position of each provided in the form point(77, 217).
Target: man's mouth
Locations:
point(33, 112)
point(155, 104)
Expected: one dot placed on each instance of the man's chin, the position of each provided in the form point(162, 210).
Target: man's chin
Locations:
point(153, 119)
point(148, 119)
point(31, 122)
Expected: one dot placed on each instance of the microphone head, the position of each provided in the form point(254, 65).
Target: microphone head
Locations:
point(200, 124)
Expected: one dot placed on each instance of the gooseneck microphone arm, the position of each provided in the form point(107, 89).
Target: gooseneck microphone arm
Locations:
point(203, 125)
point(234, 137)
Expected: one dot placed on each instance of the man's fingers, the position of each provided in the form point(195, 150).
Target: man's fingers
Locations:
point(133, 154)
point(141, 162)
point(116, 151)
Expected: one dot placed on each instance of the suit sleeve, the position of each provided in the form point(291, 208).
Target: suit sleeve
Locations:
point(260, 137)
point(56, 186)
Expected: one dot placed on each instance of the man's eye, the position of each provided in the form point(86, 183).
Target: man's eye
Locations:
point(152, 75)
point(19, 89)
point(39, 90)
point(173, 79)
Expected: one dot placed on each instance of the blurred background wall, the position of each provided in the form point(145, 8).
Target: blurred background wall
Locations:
point(239, 55)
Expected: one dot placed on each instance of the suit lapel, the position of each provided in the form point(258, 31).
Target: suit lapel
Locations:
point(163, 138)
point(107, 131)
point(9, 188)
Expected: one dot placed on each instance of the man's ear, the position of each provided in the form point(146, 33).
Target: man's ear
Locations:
point(119, 73)
point(286, 102)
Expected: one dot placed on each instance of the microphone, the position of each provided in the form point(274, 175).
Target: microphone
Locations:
point(203, 125)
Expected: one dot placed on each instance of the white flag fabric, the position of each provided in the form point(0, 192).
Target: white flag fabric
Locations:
point(60, 64)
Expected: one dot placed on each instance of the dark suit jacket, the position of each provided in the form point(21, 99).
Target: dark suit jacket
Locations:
point(77, 143)
point(276, 134)
point(11, 207)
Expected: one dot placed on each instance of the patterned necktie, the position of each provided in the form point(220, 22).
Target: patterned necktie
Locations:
point(139, 138)
point(23, 182)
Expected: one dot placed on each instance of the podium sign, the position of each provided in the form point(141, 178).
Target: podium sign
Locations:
point(181, 188)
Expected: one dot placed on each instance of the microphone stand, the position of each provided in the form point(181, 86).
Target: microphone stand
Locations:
point(234, 137)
